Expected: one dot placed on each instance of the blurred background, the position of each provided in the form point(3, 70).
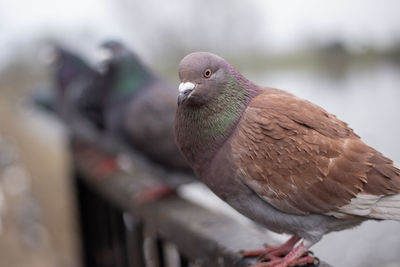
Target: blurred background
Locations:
point(341, 55)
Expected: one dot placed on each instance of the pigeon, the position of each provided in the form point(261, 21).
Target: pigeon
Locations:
point(139, 108)
point(70, 71)
point(282, 161)
point(73, 76)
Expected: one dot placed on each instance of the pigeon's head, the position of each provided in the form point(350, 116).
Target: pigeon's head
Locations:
point(111, 51)
point(114, 47)
point(203, 77)
point(69, 68)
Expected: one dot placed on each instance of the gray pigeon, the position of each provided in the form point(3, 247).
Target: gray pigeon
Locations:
point(280, 160)
point(139, 108)
point(73, 77)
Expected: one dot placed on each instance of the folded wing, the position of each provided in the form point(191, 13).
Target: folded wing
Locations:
point(303, 160)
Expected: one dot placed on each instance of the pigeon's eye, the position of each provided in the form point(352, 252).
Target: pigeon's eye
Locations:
point(207, 73)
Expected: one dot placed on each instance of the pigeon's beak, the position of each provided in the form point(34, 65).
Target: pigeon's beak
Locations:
point(185, 90)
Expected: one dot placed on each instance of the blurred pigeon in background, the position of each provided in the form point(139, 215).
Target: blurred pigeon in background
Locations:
point(73, 77)
point(125, 110)
point(137, 106)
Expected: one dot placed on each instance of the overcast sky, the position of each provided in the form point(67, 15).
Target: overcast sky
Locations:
point(283, 25)
point(356, 21)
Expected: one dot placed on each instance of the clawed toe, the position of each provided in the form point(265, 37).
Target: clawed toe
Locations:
point(259, 253)
point(284, 256)
point(272, 253)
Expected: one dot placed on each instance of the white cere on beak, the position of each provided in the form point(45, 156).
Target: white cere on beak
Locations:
point(186, 86)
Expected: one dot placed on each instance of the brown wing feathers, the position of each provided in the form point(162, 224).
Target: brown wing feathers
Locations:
point(303, 160)
point(383, 178)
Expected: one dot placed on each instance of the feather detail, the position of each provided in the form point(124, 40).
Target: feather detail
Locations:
point(316, 164)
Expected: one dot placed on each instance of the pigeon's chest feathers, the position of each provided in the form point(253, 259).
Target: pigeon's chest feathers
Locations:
point(213, 122)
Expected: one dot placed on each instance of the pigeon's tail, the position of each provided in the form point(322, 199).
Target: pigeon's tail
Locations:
point(372, 206)
point(387, 208)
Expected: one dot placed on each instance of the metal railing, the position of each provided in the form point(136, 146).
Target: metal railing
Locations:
point(173, 232)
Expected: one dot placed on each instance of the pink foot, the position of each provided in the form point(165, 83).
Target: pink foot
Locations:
point(299, 255)
point(271, 252)
point(153, 193)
